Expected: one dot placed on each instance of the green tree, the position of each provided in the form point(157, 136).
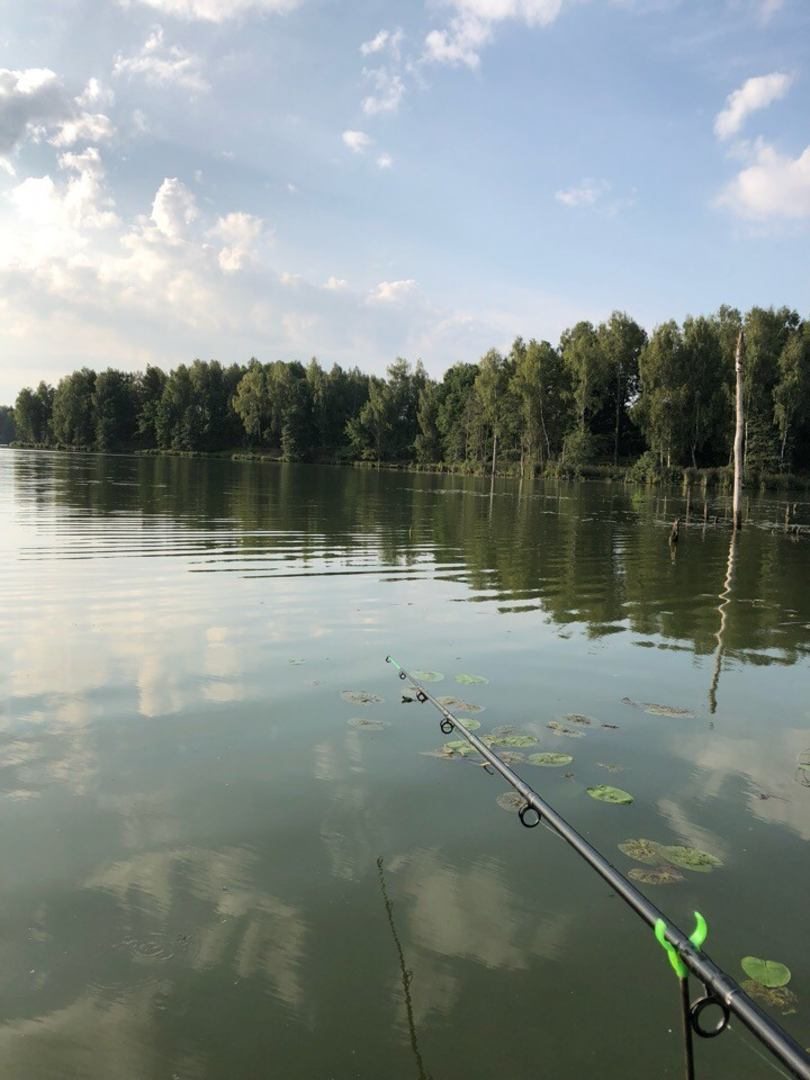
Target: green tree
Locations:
point(149, 388)
point(705, 396)
point(493, 390)
point(428, 444)
point(8, 431)
point(32, 414)
point(454, 395)
point(660, 407)
point(792, 392)
point(115, 408)
point(587, 368)
point(541, 388)
point(766, 333)
point(73, 418)
point(620, 340)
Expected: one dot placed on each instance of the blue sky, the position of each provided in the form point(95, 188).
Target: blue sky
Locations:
point(357, 181)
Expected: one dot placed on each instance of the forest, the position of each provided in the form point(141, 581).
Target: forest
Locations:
point(605, 395)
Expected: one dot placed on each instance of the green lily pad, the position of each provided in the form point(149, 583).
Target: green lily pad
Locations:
point(471, 680)
point(518, 741)
point(361, 697)
point(644, 851)
point(653, 709)
point(365, 723)
point(561, 729)
point(428, 676)
point(768, 973)
point(551, 759)
point(512, 757)
point(470, 723)
point(503, 729)
point(778, 998)
point(655, 875)
point(460, 747)
point(578, 718)
point(689, 858)
point(511, 801)
point(606, 793)
point(457, 705)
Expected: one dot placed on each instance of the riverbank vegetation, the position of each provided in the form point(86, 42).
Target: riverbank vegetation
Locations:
point(606, 400)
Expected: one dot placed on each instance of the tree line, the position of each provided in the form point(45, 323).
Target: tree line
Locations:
point(608, 393)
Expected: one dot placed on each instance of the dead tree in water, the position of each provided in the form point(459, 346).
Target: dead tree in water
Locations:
point(738, 434)
point(674, 532)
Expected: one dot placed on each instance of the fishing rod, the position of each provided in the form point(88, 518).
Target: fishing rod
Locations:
point(684, 951)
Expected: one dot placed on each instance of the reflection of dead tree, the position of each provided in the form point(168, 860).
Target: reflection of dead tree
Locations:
point(406, 975)
point(725, 599)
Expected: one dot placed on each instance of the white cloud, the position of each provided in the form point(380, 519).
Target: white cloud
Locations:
point(174, 208)
point(336, 284)
point(774, 186)
point(586, 193)
point(290, 280)
point(29, 98)
point(87, 127)
point(389, 40)
point(472, 27)
point(384, 161)
point(392, 292)
point(756, 93)
point(95, 93)
point(388, 91)
point(357, 141)
point(163, 65)
point(239, 234)
point(218, 11)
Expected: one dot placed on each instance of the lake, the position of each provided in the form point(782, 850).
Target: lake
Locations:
point(216, 866)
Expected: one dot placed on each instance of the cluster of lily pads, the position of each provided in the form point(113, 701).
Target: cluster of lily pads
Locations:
point(767, 983)
point(463, 678)
point(363, 697)
point(666, 861)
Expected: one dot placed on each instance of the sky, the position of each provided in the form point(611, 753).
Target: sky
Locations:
point(359, 180)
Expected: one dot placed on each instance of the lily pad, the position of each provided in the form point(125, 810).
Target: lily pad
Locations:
point(470, 723)
point(644, 851)
point(511, 801)
point(561, 729)
point(512, 757)
point(778, 998)
point(653, 709)
point(471, 680)
point(361, 697)
point(655, 875)
point(365, 723)
point(768, 973)
point(460, 747)
point(518, 741)
point(689, 858)
point(551, 759)
point(428, 676)
point(457, 705)
point(578, 718)
point(606, 793)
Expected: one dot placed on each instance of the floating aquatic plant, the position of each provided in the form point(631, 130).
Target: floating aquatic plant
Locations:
point(470, 723)
point(561, 729)
point(361, 697)
point(578, 718)
point(365, 723)
point(458, 705)
point(428, 676)
point(652, 708)
point(471, 680)
point(511, 801)
point(643, 851)
point(655, 875)
point(517, 741)
point(460, 747)
point(512, 757)
point(689, 858)
point(550, 758)
point(768, 973)
point(779, 998)
point(608, 794)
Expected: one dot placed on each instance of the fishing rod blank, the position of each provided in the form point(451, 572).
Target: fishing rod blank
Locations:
point(684, 952)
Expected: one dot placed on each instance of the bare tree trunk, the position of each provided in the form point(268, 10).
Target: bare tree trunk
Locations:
point(494, 450)
point(738, 434)
point(618, 418)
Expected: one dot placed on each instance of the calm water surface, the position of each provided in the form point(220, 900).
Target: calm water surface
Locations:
point(191, 828)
